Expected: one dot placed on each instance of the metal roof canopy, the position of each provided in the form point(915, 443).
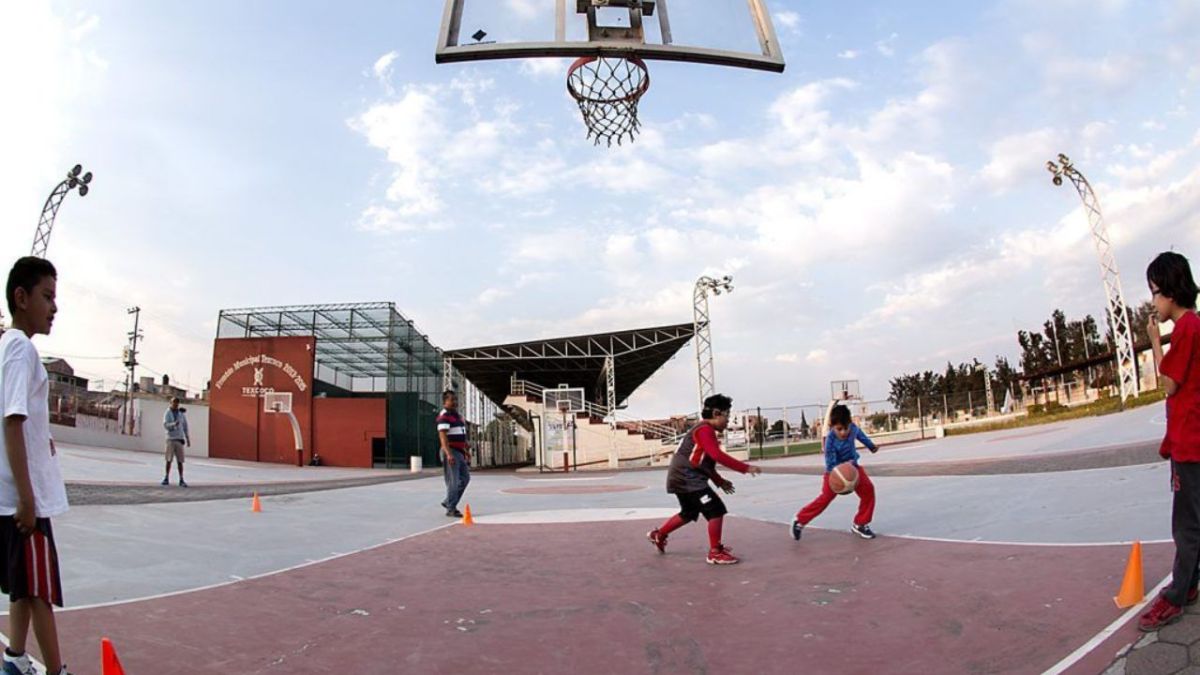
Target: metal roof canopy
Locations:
point(369, 341)
point(574, 361)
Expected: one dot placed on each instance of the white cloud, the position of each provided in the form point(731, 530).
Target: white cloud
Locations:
point(817, 356)
point(789, 20)
point(491, 295)
point(544, 68)
point(887, 46)
point(788, 358)
point(848, 54)
point(1020, 157)
point(527, 9)
point(408, 130)
point(383, 69)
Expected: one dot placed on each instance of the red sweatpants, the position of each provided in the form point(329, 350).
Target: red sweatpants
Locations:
point(866, 504)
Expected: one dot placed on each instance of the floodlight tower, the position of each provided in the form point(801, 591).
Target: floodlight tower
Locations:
point(700, 324)
point(1118, 316)
point(41, 240)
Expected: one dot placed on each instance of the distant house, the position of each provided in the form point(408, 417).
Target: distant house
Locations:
point(66, 390)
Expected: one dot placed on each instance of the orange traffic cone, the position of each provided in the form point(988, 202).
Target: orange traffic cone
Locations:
point(1133, 588)
point(467, 519)
point(255, 505)
point(109, 663)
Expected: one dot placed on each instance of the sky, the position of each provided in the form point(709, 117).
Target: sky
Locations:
point(882, 205)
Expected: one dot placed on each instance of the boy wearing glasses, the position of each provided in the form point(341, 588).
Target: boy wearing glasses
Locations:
point(692, 466)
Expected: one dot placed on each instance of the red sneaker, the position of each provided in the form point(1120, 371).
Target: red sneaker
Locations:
point(658, 539)
point(721, 556)
point(1162, 613)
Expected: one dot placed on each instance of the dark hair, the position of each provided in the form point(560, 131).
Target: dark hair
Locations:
point(714, 403)
point(1173, 276)
point(447, 394)
point(26, 273)
point(840, 415)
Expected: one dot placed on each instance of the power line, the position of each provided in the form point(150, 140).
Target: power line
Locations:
point(76, 357)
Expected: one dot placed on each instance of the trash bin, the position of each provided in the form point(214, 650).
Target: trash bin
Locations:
point(415, 464)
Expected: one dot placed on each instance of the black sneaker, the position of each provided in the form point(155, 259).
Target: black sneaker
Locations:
point(863, 531)
point(797, 530)
point(182, 483)
point(454, 514)
point(166, 482)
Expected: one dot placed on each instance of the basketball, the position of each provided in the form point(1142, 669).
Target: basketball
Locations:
point(844, 478)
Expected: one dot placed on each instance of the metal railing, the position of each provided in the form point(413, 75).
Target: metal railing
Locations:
point(650, 430)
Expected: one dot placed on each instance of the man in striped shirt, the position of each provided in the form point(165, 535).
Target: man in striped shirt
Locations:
point(456, 458)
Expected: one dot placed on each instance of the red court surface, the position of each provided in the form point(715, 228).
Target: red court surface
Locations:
point(597, 598)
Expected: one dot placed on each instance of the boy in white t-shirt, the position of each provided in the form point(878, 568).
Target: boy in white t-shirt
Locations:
point(31, 486)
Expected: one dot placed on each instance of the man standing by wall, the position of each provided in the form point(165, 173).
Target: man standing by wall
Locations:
point(456, 461)
point(176, 424)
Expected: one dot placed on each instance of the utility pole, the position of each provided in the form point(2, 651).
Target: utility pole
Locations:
point(1118, 315)
point(1087, 355)
point(1058, 353)
point(131, 364)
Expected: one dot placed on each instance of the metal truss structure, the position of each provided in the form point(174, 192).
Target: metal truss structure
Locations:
point(705, 367)
point(1118, 315)
point(590, 362)
point(41, 239)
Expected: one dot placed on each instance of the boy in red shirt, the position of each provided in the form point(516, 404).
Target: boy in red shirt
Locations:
point(692, 466)
point(1174, 296)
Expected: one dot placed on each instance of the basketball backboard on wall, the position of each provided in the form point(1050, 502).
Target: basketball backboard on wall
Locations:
point(737, 33)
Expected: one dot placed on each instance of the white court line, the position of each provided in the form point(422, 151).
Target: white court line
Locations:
point(197, 462)
point(160, 596)
point(1089, 646)
point(556, 516)
point(943, 540)
point(566, 480)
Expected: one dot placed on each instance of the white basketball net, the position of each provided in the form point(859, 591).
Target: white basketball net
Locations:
point(607, 90)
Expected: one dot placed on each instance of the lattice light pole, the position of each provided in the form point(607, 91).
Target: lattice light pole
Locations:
point(704, 353)
point(1118, 316)
point(41, 240)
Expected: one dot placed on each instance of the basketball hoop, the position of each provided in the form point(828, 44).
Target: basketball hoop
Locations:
point(607, 89)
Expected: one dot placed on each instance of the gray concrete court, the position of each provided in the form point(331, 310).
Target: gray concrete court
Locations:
point(113, 553)
point(117, 553)
point(86, 464)
point(1147, 423)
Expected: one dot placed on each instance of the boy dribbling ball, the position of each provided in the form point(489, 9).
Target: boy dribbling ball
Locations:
point(692, 466)
point(839, 449)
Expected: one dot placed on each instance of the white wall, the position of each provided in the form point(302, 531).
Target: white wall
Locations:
point(153, 437)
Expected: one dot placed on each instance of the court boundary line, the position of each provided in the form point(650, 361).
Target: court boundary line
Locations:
point(988, 542)
point(1105, 633)
point(231, 582)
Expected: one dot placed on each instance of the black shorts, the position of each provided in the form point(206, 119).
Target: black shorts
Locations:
point(693, 504)
point(29, 568)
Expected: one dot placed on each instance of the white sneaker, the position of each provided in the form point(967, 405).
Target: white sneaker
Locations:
point(18, 665)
